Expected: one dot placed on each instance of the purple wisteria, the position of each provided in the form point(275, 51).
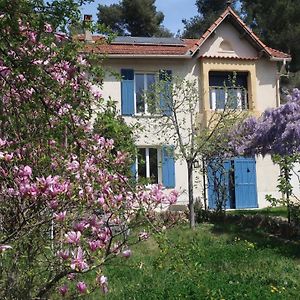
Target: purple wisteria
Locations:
point(277, 131)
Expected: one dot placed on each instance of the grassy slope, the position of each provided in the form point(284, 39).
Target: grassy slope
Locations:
point(209, 263)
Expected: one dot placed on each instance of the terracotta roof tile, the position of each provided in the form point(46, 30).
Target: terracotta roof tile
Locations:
point(139, 49)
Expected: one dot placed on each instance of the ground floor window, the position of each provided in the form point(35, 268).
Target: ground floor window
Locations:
point(148, 164)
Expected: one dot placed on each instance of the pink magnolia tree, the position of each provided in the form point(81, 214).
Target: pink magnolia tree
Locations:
point(65, 206)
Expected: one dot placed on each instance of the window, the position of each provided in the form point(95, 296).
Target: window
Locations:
point(148, 165)
point(144, 83)
point(228, 90)
point(136, 85)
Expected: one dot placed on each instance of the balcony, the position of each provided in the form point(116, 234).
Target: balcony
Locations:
point(221, 98)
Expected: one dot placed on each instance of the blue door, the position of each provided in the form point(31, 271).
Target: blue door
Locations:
point(235, 180)
point(218, 184)
point(245, 182)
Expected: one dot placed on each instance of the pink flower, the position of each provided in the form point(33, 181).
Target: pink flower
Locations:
point(64, 254)
point(94, 245)
point(63, 290)
point(96, 91)
point(73, 237)
point(81, 226)
point(143, 235)
point(126, 253)
point(78, 262)
point(81, 287)
point(60, 217)
point(48, 28)
point(102, 281)
point(2, 142)
point(8, 156)
point(4, 248)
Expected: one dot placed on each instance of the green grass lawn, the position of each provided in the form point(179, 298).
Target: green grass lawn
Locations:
point(212, 262)
point(269, 211)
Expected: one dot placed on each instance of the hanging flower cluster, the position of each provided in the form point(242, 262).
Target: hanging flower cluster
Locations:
point(277, 131)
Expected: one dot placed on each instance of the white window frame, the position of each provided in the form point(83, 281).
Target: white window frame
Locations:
point(147, 162)
point(146, 112)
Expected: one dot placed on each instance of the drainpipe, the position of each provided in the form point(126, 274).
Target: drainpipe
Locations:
point(279, 74)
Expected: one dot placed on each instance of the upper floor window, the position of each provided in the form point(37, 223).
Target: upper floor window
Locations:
point(227, 89)
point(144, 84)
point(139, 95)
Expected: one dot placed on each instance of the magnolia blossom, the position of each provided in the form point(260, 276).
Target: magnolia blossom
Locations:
point(4, 248)
point(126, 253)
point(103, 282)
point(81, 287)
point(143, 235)
point(63, 290)
point(96, 91)
point(73, 237)
point(78, 262)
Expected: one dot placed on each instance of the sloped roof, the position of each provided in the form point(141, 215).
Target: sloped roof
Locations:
point(101, 46)
point(135, 46)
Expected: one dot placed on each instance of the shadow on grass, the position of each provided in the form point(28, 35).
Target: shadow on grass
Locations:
point(262, 239)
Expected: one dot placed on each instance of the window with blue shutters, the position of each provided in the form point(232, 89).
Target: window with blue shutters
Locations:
point(156, 165)
point(139, 94)
point(147, 165)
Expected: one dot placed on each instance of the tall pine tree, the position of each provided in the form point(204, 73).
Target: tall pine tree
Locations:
point(277, 22)
point(133, 17)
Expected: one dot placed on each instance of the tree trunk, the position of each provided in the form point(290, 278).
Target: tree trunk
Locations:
point(191, 194)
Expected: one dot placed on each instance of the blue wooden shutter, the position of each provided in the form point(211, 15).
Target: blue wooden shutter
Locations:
point(166, 75)
point(245, 182)
point(133, 170)
point(168, 166)
point(218, 178)
point(127, 92)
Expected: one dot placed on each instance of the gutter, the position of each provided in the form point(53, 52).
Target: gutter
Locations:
point(143, 56)
point(284, 60)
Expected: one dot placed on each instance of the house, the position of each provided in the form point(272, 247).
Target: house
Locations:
point(227, 46)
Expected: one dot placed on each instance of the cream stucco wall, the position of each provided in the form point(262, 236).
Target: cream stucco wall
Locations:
point(149, 133)
point(238, 44)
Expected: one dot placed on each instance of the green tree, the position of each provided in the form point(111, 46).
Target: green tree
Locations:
point(279, 28)
point(112, 126)
point(208, 12)
point(133, 17)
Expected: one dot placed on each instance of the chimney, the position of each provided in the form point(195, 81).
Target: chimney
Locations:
point(88, 37)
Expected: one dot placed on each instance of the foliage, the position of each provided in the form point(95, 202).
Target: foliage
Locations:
point(269, 26)
point(133, 17)
point(212, 262)
point(208, 12)
point(109, 124)
point(66, 208)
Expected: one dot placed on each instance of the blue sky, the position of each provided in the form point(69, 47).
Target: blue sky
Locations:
point(174, 11)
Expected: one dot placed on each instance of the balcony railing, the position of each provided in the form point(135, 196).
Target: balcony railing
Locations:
point(228, 97)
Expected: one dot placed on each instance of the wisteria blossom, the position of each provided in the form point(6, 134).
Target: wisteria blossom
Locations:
point(277, 131)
